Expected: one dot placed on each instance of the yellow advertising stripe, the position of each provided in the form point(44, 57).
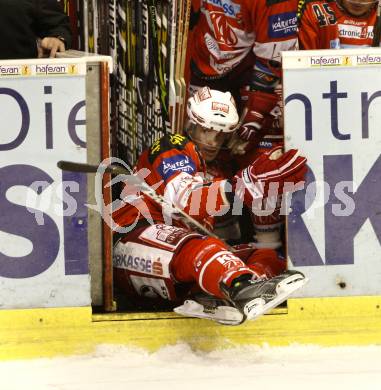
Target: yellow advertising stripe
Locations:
point(36, 333)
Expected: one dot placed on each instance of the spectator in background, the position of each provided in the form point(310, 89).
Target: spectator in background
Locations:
point(235, 46)
point(337, 24)
point(33, 28)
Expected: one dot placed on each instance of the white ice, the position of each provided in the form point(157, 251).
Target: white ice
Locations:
point(179, 367)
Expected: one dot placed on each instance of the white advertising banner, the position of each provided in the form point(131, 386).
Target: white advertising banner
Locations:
point(43, 220)
point(333, 115)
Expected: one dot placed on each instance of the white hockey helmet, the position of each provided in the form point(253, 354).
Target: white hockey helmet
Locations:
point(213, 110)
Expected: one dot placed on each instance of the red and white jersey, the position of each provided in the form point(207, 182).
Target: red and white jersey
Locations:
point(323, 24)
point(174, 168)
point(227, 30)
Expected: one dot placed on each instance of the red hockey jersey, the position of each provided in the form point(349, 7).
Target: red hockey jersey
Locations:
point(323, 24)
point(227, 30)
point(175, 169)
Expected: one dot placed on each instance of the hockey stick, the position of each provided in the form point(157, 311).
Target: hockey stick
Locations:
point(377, 27)
point(143, 186)
point(155, 40)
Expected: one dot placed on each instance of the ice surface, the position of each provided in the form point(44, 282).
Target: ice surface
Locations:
point(179, 367)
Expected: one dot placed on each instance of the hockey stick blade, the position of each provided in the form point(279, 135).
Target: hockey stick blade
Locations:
point(88, 168)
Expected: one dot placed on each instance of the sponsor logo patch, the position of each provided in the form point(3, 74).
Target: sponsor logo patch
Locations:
point(265, 144)
point(134, 263)
point(282, 25)
point(50, 69)
point(355, 32)
point(334, 44)
point(203, 94)
point(216, 106)
point(316, 61)
point(229, 8)
point(142, 259)
point(15, 70)
point(166, 236)
point(177, 140)
point(166, 143)
point(368, 59)
point(180, 163)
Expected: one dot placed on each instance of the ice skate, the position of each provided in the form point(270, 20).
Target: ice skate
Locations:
point(211, 308)
point(255, 297)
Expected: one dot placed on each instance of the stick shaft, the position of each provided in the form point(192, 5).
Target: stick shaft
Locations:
point(144, 187)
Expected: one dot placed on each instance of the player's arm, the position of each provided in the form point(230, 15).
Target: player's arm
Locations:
point(269, 19)
point(308, 27)
point(271, 175)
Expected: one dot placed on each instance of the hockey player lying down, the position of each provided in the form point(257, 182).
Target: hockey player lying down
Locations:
point(160, 256)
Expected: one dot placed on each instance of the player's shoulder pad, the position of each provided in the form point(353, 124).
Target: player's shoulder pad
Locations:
point(165, 143)
point(302, 5)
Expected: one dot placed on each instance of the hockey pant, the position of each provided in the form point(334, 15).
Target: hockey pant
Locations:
point(153, 261)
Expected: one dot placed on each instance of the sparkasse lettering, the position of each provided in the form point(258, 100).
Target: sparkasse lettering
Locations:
point(135, 263)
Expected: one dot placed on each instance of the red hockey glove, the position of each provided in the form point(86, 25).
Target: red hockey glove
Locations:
point(267, 175)
point(247, 136)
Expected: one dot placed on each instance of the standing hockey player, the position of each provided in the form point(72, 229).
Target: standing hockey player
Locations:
point(235, 46)
point(156, 258)
point(336, 24)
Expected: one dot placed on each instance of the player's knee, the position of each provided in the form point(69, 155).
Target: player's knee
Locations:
point(193, 254)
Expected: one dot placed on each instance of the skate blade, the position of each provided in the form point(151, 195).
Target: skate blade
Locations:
point(286, 288)
point(225, 315)
point(292, 283)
